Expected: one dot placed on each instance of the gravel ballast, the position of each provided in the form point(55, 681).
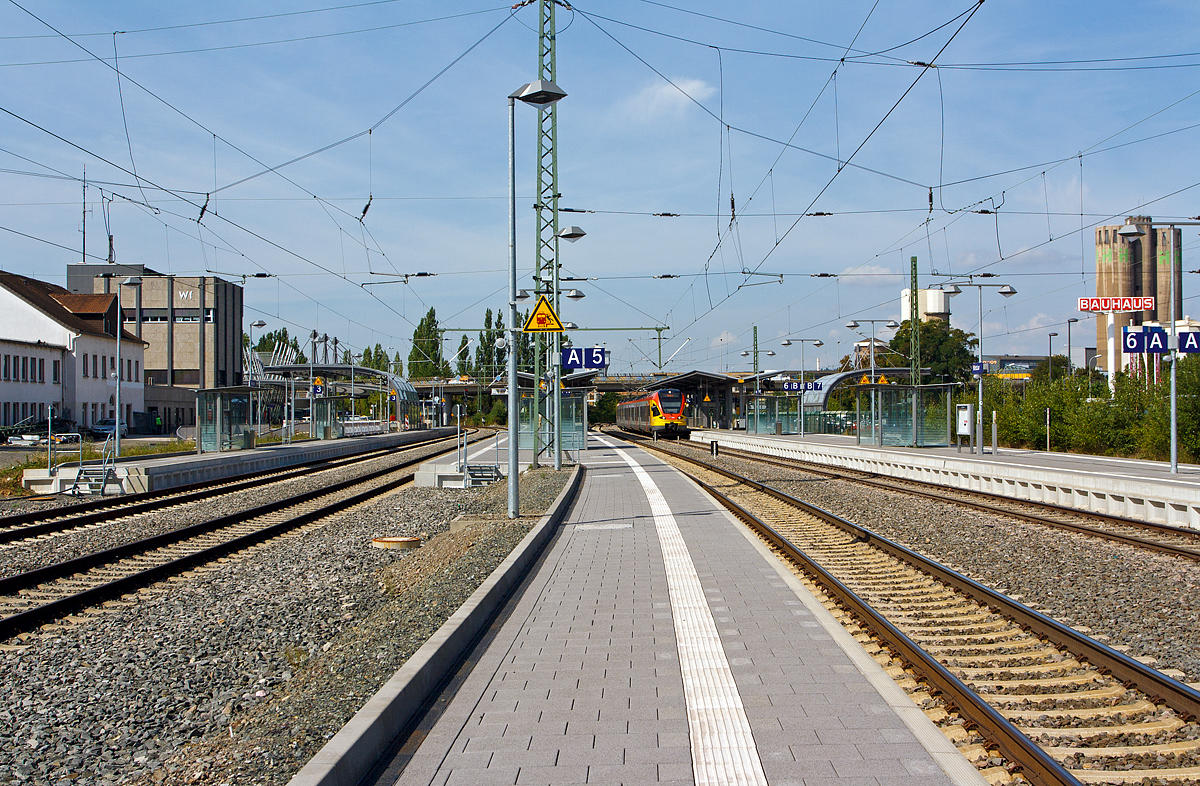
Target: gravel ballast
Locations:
point(241, 672)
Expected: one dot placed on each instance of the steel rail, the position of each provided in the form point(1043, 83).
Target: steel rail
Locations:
point(43, 522)
point(938, 493)
point(24, 621)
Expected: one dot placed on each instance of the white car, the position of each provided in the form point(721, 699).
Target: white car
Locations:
point(104, 428)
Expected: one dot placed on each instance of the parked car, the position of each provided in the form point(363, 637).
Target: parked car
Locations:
point(103, 429)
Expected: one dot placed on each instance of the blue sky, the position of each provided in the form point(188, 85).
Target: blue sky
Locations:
point(673, 107)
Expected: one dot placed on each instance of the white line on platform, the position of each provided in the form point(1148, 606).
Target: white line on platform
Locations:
point(723, 749)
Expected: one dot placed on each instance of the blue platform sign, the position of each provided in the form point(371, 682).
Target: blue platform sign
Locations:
point(1153, 341)
point(584, 357)
point(1189, 342)
point(795, 386)
point(977, 369)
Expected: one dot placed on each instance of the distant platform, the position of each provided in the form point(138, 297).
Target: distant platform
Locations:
point(149, 473)
point(1134, 488)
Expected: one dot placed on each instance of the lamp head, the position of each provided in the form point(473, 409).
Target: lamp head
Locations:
point(1007, 291)
point(1130, 231)
point(893, 324)
point(258, 324)
point(132, 281)
point(1072, 319)
point(522, 294)
point(1052, 335)
point(787, 342)
point(575, 294)
point(853, 325)
point(745, 353)
point(818, 343)
point(543, 92)
point(953, 290)
point(571, 233)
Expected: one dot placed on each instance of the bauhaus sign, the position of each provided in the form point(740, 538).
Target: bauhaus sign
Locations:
point(1111, 304)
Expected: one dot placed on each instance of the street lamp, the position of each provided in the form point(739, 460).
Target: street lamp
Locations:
point(1050, 357)
point(1130, 232)
point(132, 281)
point(256, 324)
point(1070, 367)
point(953, 290)
point(816, 342)
point(539, 93)
point(888, 323)
point(571, 234)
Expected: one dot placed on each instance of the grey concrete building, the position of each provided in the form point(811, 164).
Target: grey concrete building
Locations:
point(193, 324)
point(1137, 268)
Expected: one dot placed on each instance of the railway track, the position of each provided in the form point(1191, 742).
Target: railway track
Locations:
point(41, 596)
point(39, 524)
point(1060, 706)
point(1162, 538)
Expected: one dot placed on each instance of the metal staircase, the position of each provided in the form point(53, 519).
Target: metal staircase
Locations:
point(94, 478)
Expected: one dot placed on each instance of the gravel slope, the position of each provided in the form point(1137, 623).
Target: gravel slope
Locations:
point(240, 673)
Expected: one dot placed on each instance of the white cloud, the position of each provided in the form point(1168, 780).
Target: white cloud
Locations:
point(662, 101)
point(724, 340)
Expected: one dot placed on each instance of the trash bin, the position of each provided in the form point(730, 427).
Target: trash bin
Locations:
point(778, 428)
point(249, 439)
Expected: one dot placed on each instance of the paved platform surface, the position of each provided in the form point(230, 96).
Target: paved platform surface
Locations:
point(658, 643)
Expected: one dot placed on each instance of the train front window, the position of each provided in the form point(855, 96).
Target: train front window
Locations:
point(671, 401)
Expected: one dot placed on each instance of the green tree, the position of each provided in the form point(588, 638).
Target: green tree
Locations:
point(425, 359)
point(945, 351)
point(268, 341)
point(1059, 363)
point(605, 410)
point(398, 365)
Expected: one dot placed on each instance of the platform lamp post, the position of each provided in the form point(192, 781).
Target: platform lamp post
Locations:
point(952, 288)
point(1129, 232)
point(1070, 365)
point(570, 234)
point(888, 323)
point(541, 93)
point(132, 281)
point(256, 324)
point(816, 342)
point(1050, 356)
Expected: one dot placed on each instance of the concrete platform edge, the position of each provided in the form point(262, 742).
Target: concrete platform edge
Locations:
point(940, 748)
point(347, 758)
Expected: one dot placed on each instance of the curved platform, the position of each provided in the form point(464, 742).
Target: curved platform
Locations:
point(1144, 490)
point(154, 474)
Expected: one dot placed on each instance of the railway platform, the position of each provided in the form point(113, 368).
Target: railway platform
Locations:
point(150, 473)
point(1137, 489)
point(658, 642)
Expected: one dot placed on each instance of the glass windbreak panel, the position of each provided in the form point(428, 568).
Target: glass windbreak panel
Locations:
point(206, 424)
point(573, 403)
point(671, 400)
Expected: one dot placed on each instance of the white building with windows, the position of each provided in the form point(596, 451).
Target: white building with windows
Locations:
point(58, 350)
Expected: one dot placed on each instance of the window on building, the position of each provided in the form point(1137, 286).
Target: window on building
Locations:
point(24, 410)
point(24, 368)
point(94, 360)
point(137, 372)
point(187, 376)
point(42, 370)
point(156, 376)
point(94, 406)
point(55, 372)
point(85, 364)
point(6, 421)
point(6, 369)
point(112, 362)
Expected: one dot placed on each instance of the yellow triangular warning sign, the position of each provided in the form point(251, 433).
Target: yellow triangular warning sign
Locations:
point(543, 319)
point(865, 380)
point(884, 380)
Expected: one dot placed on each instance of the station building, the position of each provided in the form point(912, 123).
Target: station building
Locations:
point(58, 349)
